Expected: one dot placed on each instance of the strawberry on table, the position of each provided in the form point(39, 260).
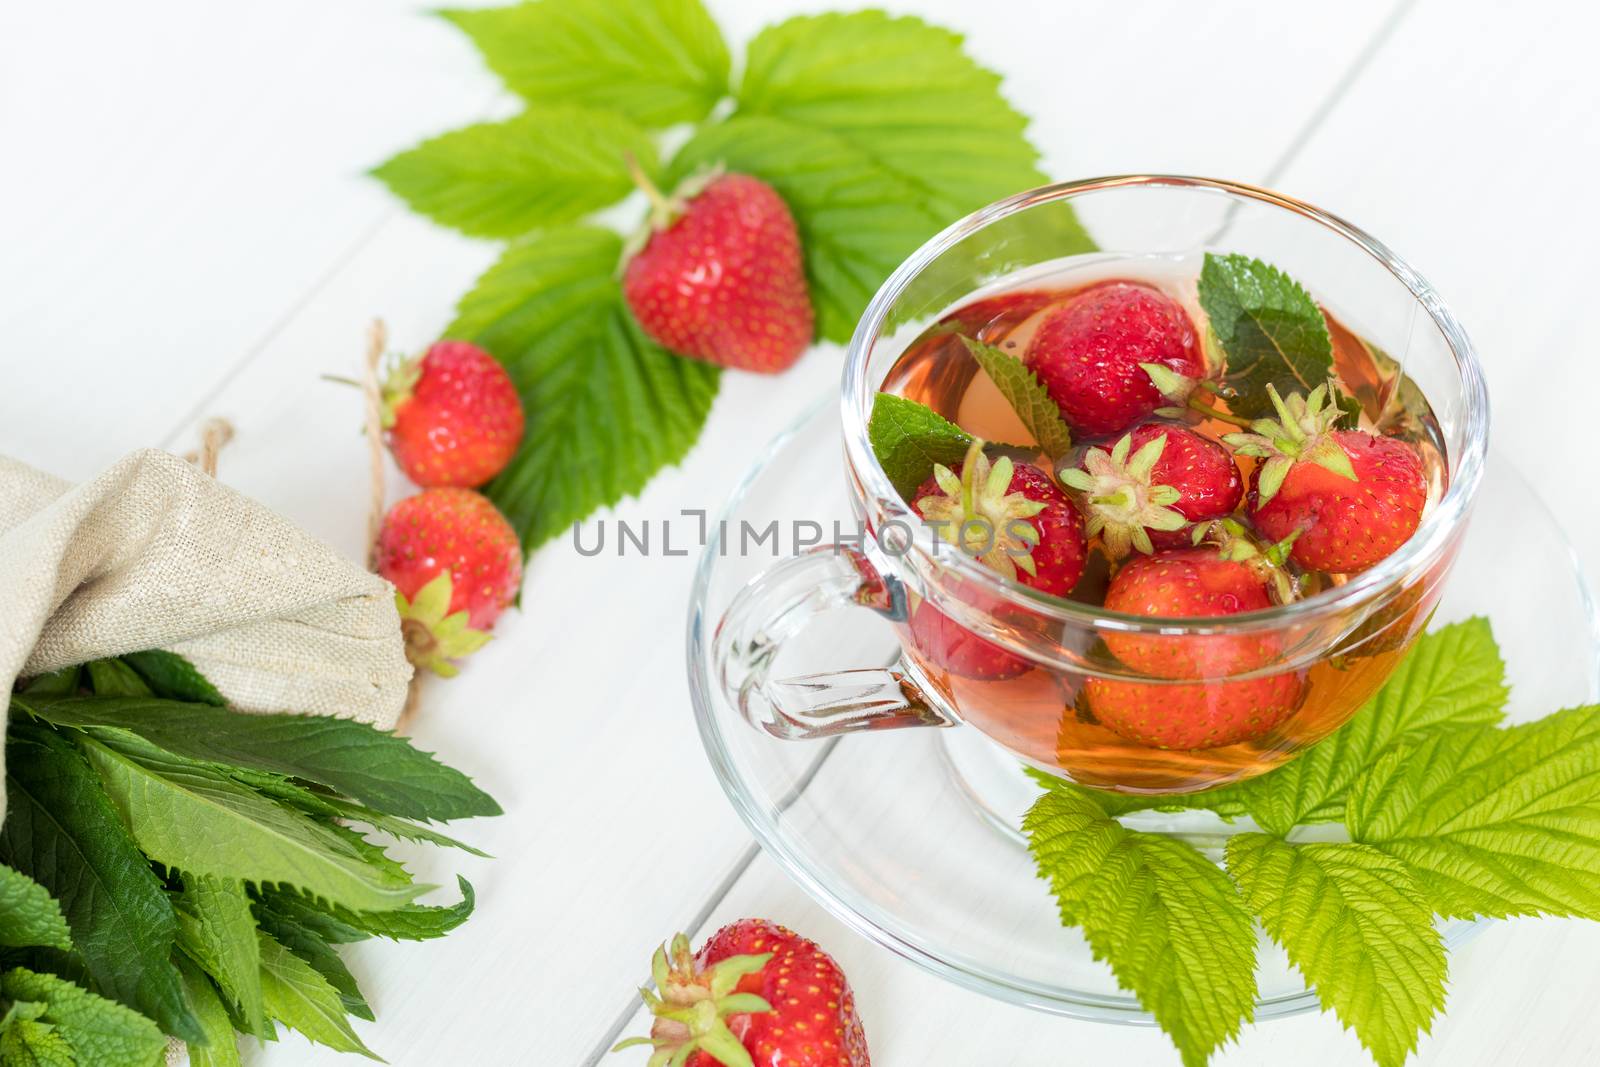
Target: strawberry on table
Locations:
point(1350, 498)
point(719, 275)
point(456, 564)
point(1017, 522)
point(755, 995)
point(453, 416)
point(1094, 355)
point(1152, 484)
point(1192, 583)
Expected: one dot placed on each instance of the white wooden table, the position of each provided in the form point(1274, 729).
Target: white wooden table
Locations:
point(185, 231)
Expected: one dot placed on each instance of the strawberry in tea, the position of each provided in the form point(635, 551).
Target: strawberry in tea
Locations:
point(1177, 438)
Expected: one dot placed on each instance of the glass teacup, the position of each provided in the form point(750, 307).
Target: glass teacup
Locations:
point(1326, 653)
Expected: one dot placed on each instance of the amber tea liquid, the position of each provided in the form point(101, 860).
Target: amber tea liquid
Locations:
point(1039, 713)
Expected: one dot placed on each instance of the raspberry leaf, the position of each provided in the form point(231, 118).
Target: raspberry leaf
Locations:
point(1492, 822)
point(904, 93)
point(658, 62)
point(1026, 395)
point(29, 915)
point(1358, 928)
point(61, 830)
point(606, 407)
point(1269, 328)
point(1452, 676)
point(549, 165)
point(95, 1029)
point(1169, 922)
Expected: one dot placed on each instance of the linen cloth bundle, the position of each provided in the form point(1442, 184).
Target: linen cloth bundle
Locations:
point(153, 553)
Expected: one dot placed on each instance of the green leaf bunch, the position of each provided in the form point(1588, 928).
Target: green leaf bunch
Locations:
point(1449, 815)
point(877, 131)
point(171, 867)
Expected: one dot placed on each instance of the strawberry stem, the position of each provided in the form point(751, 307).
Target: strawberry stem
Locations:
point(1196, 404)
point(661, 208)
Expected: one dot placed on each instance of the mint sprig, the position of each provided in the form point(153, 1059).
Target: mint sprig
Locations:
point(1449, 815)
point(1270, 330)
point(194, 868)
point(877, 131)
point(1026, 395)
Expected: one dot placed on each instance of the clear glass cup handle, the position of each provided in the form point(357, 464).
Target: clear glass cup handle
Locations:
point(774, 608)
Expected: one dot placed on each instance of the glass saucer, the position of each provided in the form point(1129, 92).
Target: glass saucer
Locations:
point(910, 836)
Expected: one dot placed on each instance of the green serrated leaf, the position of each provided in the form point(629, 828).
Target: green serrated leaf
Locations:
point(192, 817)
point(301, 999)
point(29, 915)
point(359, 760)
point(171, 676)
point(304, 941)
point(549, 165)
point(57, 683)
point(904, 93)
point(606, 407)
point(1492, 822)
point(336, 925)
point(659, 62)
point(113, 678)
point(62, 831)
point(858, 221)
point(1026, 395)
point(909, 438)
point(1357, 927)
point(218, 929)
point(1452, 676)
point(26, 1043)
point(99, 1031)
point(1270, 329)
point(221, 1047)
point(1167, 920)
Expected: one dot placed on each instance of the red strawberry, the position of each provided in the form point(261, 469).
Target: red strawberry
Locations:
point(1189, 583)
point(1191, 715)
point(1172, 478)
point(755, 995)
point(1348, 497)
point(719, 276)
point(1192, 582)
point(1011, 516)
point(960, 651)
point(1093, 353)
point(453, 416)
point(1017, 522)
point(456, 564)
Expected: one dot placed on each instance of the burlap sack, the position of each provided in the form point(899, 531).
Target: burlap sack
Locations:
point(155, 554)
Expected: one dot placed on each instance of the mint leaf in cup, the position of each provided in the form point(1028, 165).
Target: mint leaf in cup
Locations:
point(1026, 395)
point(1270, 330)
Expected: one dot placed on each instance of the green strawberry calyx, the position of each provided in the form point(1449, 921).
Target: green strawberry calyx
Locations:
point(1119, 498)
point(1302, 433)
point(397, 388)
point(691, 1007)
point(977, 512)
point(434, 635)
point(665, 208)
point(1268, 561)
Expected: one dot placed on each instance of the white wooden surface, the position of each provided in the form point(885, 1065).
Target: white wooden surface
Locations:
point(184, 231)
